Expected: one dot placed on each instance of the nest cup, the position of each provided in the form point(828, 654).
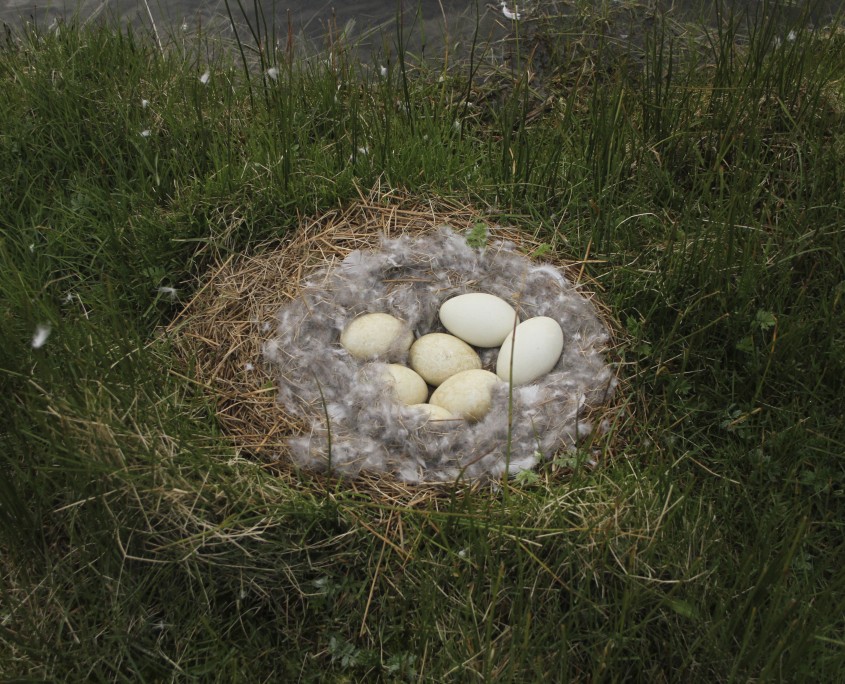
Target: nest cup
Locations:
point(263, 332)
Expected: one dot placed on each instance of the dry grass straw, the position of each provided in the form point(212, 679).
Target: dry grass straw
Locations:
point(221, 331)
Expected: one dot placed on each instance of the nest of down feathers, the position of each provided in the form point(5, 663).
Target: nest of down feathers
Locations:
point(262, 333)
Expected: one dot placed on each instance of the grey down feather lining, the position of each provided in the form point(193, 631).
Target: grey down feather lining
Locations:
point(409, 277)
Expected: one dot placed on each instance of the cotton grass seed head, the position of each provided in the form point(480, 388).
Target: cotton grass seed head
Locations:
point(513, 15)
point(42, 332)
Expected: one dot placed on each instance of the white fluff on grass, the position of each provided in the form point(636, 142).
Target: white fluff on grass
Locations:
point(409, 278)
point(42, 332)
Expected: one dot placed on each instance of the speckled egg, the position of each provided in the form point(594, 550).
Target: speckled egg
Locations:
point(376, 335)
point(467, 394)
point(438, 356)
point(435, 413)
point(408, 386)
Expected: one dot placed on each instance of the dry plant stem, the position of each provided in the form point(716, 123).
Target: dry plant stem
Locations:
point(510, 402)
point(328, 423)
point(153, 24)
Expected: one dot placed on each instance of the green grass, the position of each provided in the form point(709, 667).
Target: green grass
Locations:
point(700, 172)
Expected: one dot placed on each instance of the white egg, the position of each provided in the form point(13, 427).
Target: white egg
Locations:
point(435, 413)
point(408, 386)
point(437, 356)
point(376, 335)
point(467, 394)
point(539, 343)
point(478, 318)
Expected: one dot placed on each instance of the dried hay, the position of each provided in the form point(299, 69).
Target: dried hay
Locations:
point(220, 333)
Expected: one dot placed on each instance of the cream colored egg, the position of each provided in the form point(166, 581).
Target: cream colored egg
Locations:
point(375, 335)
point(481, 319)
point(437, 356)
point(467, 394)
point(408, 386)
point(435, 413)
point(539, 343)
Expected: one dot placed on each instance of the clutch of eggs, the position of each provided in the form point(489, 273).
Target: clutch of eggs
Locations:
point(463, 390)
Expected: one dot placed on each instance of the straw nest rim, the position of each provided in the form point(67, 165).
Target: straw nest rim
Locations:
point(219, 334)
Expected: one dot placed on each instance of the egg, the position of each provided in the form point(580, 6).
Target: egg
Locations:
point(539, 343)
point(376, 335)
point(481, 319)
point(437, 356)
point(408, 386)
point(467, 394)
point(435, 413)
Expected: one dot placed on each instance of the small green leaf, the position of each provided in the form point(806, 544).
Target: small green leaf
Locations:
point(643, 349)
point(526, 478)
point(683, 608)
point(477, 237)
point(156, 274)
point(633, 325)
point(572, 459)
point(746, 344)
point(541, 250)
point(765, 320)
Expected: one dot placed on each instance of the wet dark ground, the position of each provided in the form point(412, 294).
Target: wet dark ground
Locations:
point(370, 21)
point(429, 27)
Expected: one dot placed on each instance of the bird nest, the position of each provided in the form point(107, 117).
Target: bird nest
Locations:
point(261, 336)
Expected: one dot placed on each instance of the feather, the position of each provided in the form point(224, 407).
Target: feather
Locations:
point(410, 277)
